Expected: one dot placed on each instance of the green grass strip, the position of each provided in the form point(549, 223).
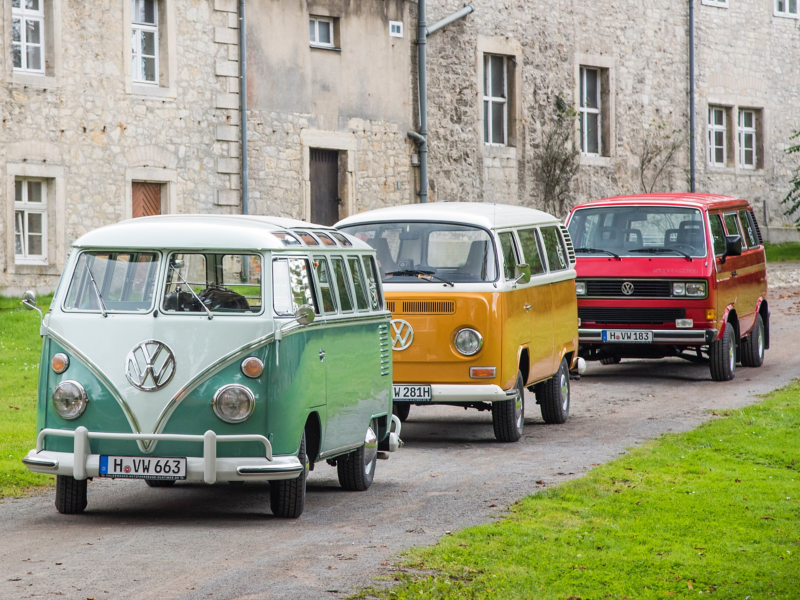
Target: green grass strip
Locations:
point(782, 252)
point(20, 351)
point(714, 510)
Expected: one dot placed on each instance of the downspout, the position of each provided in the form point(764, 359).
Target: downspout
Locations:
point(243, 103)
point(421, 138)
point(692, 150)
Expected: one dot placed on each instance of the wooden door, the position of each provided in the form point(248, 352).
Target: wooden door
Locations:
point(324, 173)
point(146, 199)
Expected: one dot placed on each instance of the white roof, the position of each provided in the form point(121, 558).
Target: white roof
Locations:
point(490, 216)
point(203, 232)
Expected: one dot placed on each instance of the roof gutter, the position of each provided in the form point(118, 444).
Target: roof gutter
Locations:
point(243, 104)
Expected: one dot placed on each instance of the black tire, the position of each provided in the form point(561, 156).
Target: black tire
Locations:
point(401, 409)
point(610, 360)
point(160, 482)
point(70, 495)
point(356, 470)
point(553, 396)
point(287, 497)
point(753, 345)
point(723, 356)
point(508, 416)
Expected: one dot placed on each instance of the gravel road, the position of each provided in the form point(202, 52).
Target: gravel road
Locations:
point(195, 541)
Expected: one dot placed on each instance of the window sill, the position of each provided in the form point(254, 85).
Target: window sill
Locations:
point(34, 80)
point(591, 160)
point(29, 267)
point(786, 16)
point(498, 151)
point(329, 48)
point(143, 89)
point(715, 4)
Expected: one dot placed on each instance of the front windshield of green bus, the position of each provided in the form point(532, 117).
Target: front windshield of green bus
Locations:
point(638, 231)
point(429, 252)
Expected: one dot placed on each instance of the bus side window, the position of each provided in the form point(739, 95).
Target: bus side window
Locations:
point(717, 234)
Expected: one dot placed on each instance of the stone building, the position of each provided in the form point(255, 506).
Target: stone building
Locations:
point(114, 109)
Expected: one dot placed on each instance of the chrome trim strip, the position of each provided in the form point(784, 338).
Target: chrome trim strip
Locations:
point(40, 462)
point(677, 336)
point(268, 469)
point(338, 451)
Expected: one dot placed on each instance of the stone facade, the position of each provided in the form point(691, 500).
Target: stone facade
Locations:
point(89, 132)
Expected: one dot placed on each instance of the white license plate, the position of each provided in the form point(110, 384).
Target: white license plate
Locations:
point(138, 467)
point(411, 393)
point(627, 336)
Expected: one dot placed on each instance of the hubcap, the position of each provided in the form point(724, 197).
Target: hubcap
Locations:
point(732, 358)
point(370, 450)
point(519, 403)
point(564, 392)
point(760, 345)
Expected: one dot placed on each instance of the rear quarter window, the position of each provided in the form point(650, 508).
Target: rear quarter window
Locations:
point(554, 249)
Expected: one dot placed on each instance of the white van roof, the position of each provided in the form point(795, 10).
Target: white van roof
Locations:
point(206, 232)
point(490, 216)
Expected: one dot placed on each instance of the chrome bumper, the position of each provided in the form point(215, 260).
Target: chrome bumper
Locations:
point(81, 463)
point(466, 393)
point(660, 336)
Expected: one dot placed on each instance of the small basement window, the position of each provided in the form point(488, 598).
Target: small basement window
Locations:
point(322, 32)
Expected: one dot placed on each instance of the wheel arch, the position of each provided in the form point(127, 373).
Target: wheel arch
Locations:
point(763, 310)
point(313, 431)
point(524, 363)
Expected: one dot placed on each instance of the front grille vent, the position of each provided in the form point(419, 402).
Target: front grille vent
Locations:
point(444, 307)
point(630, 316)
point(383, 342)
point(642, 288)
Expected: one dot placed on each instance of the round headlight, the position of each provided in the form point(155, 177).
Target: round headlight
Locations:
point(233, 403)
point(69, 399)
point(252, 367)
point(60, 363)
point(468, 342)
point(580, 288)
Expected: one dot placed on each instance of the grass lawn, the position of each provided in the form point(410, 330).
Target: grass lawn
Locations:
point(20, 348)
point(715, 510)
point(782, 252)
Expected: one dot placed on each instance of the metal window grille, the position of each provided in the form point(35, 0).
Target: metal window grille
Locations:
point(747, 139)
point(717, 135)
point(590, 111)
point(144, 41)
point(495, 100)
point(30, 219)
point(27, 35)
point(321, 32)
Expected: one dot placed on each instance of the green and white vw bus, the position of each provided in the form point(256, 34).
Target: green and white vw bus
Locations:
point(214, 348)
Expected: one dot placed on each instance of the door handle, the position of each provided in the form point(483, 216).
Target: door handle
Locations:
point(527, 307)
point(321, 355)
point(734, 273)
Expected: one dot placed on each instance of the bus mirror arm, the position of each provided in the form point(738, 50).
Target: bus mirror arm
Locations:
point(29, 302)
point(522, 273)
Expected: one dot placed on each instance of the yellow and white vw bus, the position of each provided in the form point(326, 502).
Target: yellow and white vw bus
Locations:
point(483, 305)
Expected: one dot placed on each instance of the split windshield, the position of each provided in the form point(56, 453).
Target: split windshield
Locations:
point(429, 252)
point(113, 281)
point(638, 231)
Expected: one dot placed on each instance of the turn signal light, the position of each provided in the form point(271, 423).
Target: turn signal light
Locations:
point(711, 314)
point(60, 363)
point(252, 367)
point(483, 372)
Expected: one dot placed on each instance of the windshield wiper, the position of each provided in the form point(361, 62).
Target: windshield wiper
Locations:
point(594, 250)
point(421, 275)
point(178, 273)
point(662, 251)
point(96, 289)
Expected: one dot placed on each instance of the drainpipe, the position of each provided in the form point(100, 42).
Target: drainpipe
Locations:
point(243, 103)
point(691, 97)
point(421, 138)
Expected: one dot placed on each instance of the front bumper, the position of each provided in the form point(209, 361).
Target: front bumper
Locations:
point(81, 463)
point(691, 337)
point(446, 393)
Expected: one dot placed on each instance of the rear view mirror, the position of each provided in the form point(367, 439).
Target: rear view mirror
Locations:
point(522, 273)
point(733, 245)
point(29, 300)
point(177, 263)
point(304, 314)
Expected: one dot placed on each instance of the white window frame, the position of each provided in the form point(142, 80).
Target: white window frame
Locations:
point(717, 3)
point(25, 15)
point(744, 131)
point(786, 12)
point(27, 208)
point(585, 111)
point(315, 42)
point(137, 30)
point(714, 128)
point(489, 100)
point(396, 29)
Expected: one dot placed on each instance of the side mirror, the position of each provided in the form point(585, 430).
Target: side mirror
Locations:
point(305, 314)
point(177, 263)
point(733, 245)
point(522, 273)
point(29, 300)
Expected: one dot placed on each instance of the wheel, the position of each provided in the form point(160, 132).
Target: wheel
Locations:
point(287, 497)
point(553, 395)
point(610, 360)
point(753, 346)
point(723, 356)
point(160, 482)
point(356, 470)
point(70, 495)
point(401, 409)
point(508, 416)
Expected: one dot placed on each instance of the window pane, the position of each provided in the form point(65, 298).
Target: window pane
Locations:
point(312, 34)
point(16, 30)
point(530, 250)
point(342, 284)
point(719, 116)
point(592, 134)
point(717, 234)
point(583, 130)
point(372, 282)
point(34, 244)
point(732, 224)
point(14, 3)
point(486, 121)
point(34, 57)
point(291, 286)
point(32, 4)
point(498, 77)
point(591, 88)
point(323, 277)
point(17, 191)
point(793, 6)
point(719, 156)
point(16, 53)
point(749, 138)
point(34, 191)
point(149, 15)
point(35, 222)
point(509, 254)
point(750, 234)
point(583, 87)
point(498, 122)
point(358, 280)
point(556, 255)
point(149, 69)
point(324, 32)
point(749, 158)
point(781, 6)
point(748, 119)
point(148, 43)
point(18, 220)
point(33, 34)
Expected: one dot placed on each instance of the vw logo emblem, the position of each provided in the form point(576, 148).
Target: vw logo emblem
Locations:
point(150, 365)
point(627, 288)
point(402, 334)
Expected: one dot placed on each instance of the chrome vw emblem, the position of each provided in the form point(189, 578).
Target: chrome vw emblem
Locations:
point(627, 288)
point(150, 365)
point(402, 334)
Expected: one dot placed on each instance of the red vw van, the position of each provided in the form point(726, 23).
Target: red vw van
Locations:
point(671, 275)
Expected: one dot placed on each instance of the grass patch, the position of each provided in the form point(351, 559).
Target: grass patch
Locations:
point(715, 510)
point(20, 351)
point(782, 252)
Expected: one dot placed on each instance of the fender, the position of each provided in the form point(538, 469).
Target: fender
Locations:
point(724, 324)
point(763, 300)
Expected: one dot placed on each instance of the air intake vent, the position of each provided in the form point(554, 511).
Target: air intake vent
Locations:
point(390, 306)
point(570, 247)
point(429, 308)
point(383, 343)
